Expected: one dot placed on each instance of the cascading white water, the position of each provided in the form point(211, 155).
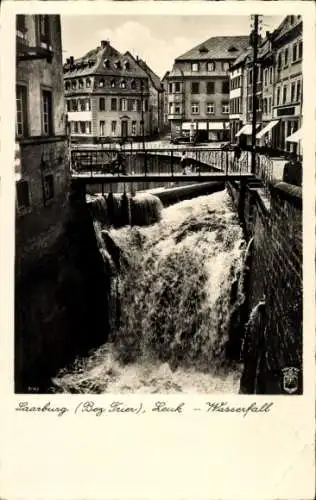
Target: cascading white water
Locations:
point(172, 304)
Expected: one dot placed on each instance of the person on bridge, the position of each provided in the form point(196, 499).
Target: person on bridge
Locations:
point(292, 172)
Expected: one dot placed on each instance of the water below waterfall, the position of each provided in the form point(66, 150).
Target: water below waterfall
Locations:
point(176, 287)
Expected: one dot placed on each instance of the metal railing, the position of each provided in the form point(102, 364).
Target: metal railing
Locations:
point(156, 161)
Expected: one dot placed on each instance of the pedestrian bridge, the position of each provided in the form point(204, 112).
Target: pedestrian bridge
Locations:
point(100, 166)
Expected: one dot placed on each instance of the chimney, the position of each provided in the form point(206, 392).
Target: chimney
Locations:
point(104, 43)
point(71, 61)
point(68, 61)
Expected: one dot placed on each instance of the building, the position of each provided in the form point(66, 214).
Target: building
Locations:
point(288, 88)
point(237, 91)
point(164, 83)
point(278, 90)
point(109, 95)
point(41, 141)
point(41, 170)
point(198, 87)
point(156, 99)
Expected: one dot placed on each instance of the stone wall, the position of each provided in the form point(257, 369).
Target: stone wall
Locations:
point(274, 335)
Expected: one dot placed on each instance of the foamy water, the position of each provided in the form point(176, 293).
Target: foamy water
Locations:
point(172, 305)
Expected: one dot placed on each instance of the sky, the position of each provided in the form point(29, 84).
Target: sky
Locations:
point(156, 39)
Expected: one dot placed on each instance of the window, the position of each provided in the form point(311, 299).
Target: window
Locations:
point(195, 87)
point(133, 85)
point(21, 111)
point(271, 75)
point(293, 92)
point(88, 82)
point(210, 107)
point(88, 127)
point(20, 23)
point(43, 29)
point(258, 74)
point(118, 64)
point(80, 84)
point(129, 105)
point(113, 127)
point(264, 105)
point(294, 53)
point(177, 86)
point(134, 105)
point(170, 108)
point(106, 63)
point(101, 82)
point(67, 85)
point(126, 65)
point(278, 96)
point(74, 105)
point(74, 84)
point(298, 91)
point(102, 128)
point(300, 49)
point(210, 87)
point(211, 66)
point(195, 66)
point(225, 87)
point(113, 84)
point(250, 104)
point(87, 105)
point(195, 108)
point(102, 104)
point(123, 84)
point(47, 122)
point(113, 104)
point(48, 187)
point(133, 128)
point(225, 66)
point(250, 77)
point(265, 77)
point(279, 61)
point(68, 105)
point(284, 94)
point(23, 195)
point(170, 88)
point(225, 107)
point(177, 110)
point(82, 127)
point(81, 105)
point(286, 57)
point(76, 129)
point(258, 103)
point(146, 104)
point(270, 104)
point(123, 104)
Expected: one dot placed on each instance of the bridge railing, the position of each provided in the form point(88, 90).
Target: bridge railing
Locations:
point(156, 161)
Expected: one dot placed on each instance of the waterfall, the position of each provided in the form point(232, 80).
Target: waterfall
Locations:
point(176, 287)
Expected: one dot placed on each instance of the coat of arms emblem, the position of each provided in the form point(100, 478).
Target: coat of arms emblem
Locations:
point(290, 379)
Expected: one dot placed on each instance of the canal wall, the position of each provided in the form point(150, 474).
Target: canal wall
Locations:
point(273, 338)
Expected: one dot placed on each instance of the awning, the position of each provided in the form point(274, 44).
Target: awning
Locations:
point(246, 130)
point(202, 125)
point(188, 126)
point(267, 129)
point(295, 137)
point(216, 126)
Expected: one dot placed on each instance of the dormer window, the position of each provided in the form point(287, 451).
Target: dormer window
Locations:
point(195, 67)
point(203, 50)
point(101, 82)
point(106, 63)
point(133, 85)
point(118, 64)
point(211, 66)
point(126, 65)
point(232, 49)
point(113, 84)
point(123, 84)
point(90, 63)
point(88, 82)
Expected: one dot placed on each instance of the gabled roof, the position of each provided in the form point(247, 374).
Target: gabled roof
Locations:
point(151, 74)
point(218, 47)
point(241, 58)
point(286, 26)
point(104, 60)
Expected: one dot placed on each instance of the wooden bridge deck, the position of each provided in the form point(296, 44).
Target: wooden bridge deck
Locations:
point(97, 178)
